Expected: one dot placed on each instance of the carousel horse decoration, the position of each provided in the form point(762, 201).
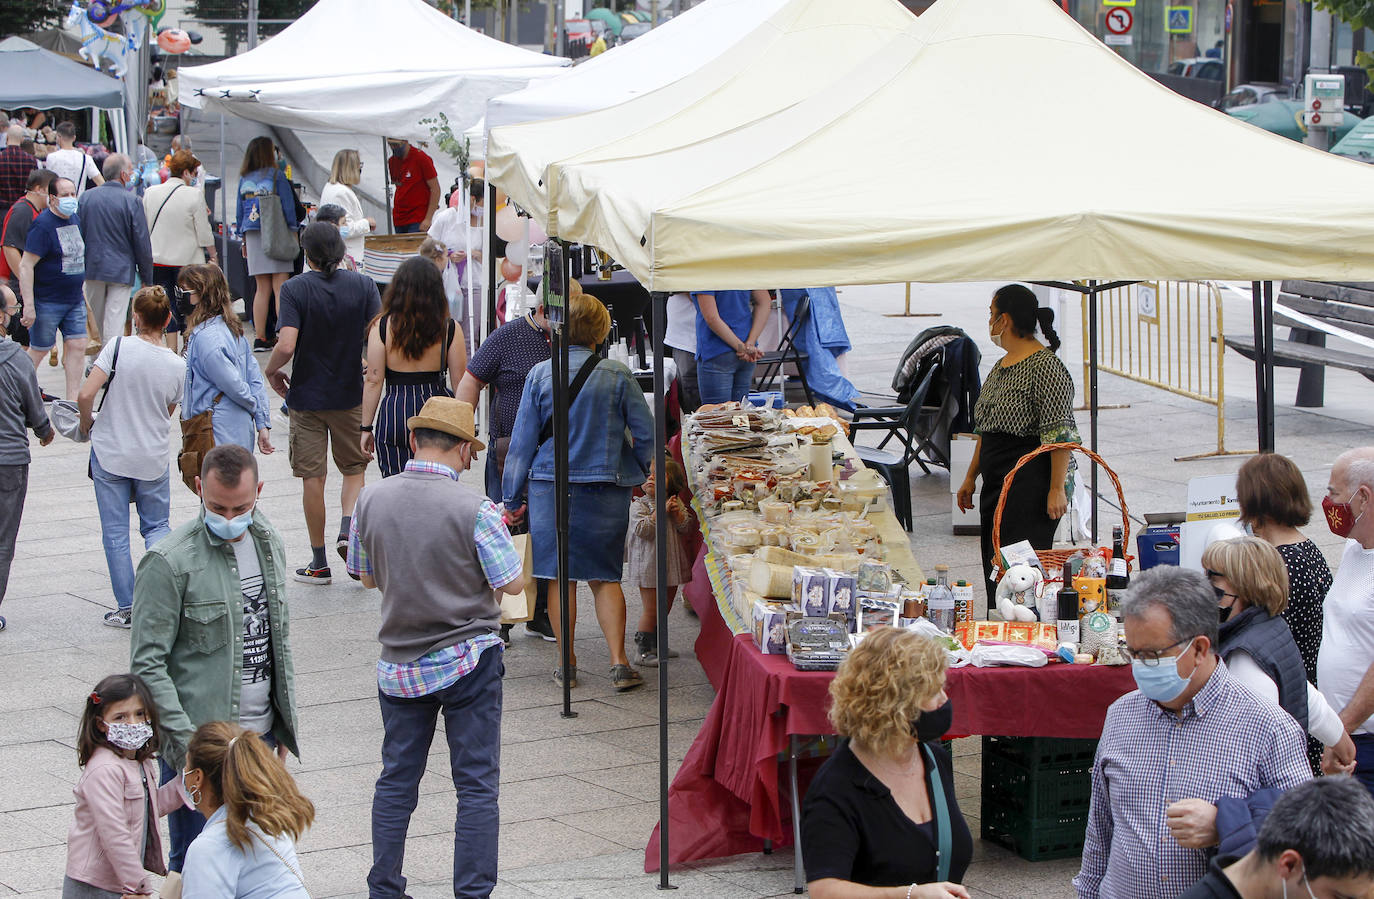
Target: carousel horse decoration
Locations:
point(97, 42)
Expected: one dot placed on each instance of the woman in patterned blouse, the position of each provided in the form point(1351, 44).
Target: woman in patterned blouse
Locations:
point(1026, 401)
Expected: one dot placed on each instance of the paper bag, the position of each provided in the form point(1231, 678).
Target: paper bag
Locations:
point(520, 607)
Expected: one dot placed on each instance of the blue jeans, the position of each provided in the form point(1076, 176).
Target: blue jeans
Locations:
point(1364, 759)
point(412, 228)
point(472, 723)
point(49, 318)
point(723, 378)
point(113, 494)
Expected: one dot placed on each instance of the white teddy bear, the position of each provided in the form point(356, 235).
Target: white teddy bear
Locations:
point(1019, 591)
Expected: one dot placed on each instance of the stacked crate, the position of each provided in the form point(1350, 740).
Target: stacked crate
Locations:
point(1036, 792)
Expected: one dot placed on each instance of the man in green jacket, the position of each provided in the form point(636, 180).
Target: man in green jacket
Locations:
point(210, 631)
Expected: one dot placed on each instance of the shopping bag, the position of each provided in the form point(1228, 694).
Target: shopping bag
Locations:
point(520, 607)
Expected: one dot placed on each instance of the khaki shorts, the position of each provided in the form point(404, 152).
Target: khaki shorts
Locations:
point(313, 434)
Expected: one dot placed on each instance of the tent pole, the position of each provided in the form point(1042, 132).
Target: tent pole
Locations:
point(660, 309)
point(386, 180)
point(1268, 410)
point(1261, 351)
point(1092, 391)
point(560, 469)
point(223, 199)
point(488, 259)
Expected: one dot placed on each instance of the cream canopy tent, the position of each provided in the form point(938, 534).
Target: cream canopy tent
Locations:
point(363, 67)
point(801, 46)
point(661, 56)
point(897, 173)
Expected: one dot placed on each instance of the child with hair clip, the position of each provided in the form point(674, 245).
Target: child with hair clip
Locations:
point(114, 840)
point(641, 551)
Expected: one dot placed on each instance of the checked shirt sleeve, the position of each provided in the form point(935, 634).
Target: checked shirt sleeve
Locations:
point(358, 562)
point(495, 549)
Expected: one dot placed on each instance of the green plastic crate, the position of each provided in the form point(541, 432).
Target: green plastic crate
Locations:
point(1042, 752)
point(1035, 839)
point(1036, 792)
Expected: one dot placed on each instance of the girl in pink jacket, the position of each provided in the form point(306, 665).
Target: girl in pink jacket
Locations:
point(114, 839)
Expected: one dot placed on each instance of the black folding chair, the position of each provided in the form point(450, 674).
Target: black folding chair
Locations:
point(771, 364)
point(908, 425)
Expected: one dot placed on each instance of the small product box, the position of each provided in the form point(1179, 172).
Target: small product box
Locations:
point(875, 613)
point(841, 592)
point(816, 644)
point(963, 602)
point(770, 628)
point(810, 588)
point(1092, 595)
point(1044, 636)
point(970, 632)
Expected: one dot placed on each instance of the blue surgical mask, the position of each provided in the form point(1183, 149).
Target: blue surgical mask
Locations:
point(228, 528)
point(67, 206)
point(1161, 682)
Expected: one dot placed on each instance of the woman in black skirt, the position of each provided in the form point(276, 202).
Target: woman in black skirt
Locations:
point(1026, 401)
point(411, 348)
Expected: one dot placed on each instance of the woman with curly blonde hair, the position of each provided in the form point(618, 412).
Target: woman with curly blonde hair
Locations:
point(880, 820)
point(255, 815)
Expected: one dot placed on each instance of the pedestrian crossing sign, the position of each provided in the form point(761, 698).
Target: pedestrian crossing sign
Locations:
point(1178, 20)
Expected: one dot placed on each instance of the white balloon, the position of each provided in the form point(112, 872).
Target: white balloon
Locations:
point(517, 252)
point(537, 234)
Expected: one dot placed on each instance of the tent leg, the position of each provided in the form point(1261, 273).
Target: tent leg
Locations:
point(223, 200)
point(660, 308)
point(489, 261)
point(1268, 409)
point(560, 480)
point(386, 188)
point(1264, 370)
point(1092, 393)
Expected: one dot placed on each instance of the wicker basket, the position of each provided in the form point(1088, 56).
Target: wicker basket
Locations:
point(1053, 558)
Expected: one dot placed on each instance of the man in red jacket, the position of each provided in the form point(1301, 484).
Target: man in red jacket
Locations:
point(416, 183)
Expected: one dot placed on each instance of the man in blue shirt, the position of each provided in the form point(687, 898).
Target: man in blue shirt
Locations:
point(51, 273)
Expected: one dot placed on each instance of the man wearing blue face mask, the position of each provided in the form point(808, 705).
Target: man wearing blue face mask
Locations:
point(210, 610)
point(1189, 731)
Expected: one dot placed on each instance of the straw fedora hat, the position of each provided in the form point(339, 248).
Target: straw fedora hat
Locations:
point(444, 413)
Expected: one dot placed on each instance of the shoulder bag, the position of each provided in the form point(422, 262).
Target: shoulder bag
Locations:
point(197, 439)
point(583, 373)
point(290, 867)
point(944, 837)
point(279, 239)
point(109, 382)
point(158, 214)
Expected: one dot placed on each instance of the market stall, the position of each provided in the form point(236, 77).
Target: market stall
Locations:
point(33, 76)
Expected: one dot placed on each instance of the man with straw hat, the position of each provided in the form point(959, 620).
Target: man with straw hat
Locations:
point(439, 552)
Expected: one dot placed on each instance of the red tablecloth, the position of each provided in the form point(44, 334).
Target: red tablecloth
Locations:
point(726, 800)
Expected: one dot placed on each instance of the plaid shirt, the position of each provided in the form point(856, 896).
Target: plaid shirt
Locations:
point(442, 668)
point(15, 166)
point(1225, 743)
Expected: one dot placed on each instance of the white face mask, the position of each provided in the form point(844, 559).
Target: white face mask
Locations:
point(1305, 882)
point(997, 338)
point(128, 736)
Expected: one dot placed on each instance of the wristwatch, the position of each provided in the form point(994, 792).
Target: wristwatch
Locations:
point(367, 428)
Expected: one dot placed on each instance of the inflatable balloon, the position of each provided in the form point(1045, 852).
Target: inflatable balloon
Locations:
point(508, 225)
point(510, 270)
point(173, 40)
point(537, 235)
point(517, 251)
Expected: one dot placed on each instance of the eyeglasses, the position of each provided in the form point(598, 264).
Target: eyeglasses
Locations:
point(1152, 657)
point(1221, 594)
point(182, 293)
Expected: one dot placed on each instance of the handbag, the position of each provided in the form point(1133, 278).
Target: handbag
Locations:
point(114, 366)
point(279, 239)
point(197, 439)
point(520, 607)
point(290, 867)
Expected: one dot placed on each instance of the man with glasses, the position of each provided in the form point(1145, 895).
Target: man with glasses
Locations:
point(21, 409)
point(1345, 662)
point(1317, 842)
point(1189, 731)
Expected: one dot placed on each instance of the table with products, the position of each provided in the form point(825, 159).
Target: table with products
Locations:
point(727, 798)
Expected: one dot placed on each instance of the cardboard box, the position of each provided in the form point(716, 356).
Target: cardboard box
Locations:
point(841, 592)
point(770, 628)
point(970, 632)
point(1045, 636)
point(810, 591)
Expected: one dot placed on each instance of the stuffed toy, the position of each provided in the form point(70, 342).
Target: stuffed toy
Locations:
point(1018, 593)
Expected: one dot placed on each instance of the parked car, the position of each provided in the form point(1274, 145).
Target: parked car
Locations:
point(1252, 94)
point(1204, 67)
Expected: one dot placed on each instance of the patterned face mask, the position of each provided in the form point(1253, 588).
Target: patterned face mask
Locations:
point(128, 736)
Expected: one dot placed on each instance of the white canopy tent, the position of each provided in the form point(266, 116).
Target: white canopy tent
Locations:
point(801, 46)
point(897, 173)
point(659, 57)
point(357, 66)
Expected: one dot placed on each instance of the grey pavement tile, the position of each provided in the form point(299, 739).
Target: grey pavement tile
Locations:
point(27, 870)
point(555, 797)
point(36, 724)
point(639, 781)
point(644, 740)
point(335, 872)
point(547, 842)
point(523, 725)
point(612, 876)
point(688, 701)
point(17, 834)
point(629, 825)
point(573, 755)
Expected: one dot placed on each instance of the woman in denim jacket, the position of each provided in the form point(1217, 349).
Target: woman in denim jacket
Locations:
point(259, 176)
point(220, 369)
point(609, 449)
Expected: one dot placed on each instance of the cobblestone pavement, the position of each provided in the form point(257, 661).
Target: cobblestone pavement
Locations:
point(579, 796)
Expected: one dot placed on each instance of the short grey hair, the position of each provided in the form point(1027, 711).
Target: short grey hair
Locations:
point(14, 136)
point(1359, 467)
point(114, 166)
point(1184, 593)
point(1329, 821)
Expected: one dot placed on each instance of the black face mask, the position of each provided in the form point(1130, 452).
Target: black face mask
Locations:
point(1225, 612)
point(931, 726)
point(397, 150)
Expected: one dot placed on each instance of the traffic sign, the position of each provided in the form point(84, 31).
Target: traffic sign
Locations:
point(1179, 19)
point(1119, 20)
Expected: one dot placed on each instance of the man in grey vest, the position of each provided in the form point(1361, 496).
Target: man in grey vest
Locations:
point(440, 553)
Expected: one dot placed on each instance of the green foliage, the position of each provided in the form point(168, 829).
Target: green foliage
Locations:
point(458, 149)
point(236, 34)
point(19, 16)
point(1358, 14)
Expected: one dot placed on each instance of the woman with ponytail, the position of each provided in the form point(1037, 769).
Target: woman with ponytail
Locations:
point(255, 814)
point(1026, 401)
